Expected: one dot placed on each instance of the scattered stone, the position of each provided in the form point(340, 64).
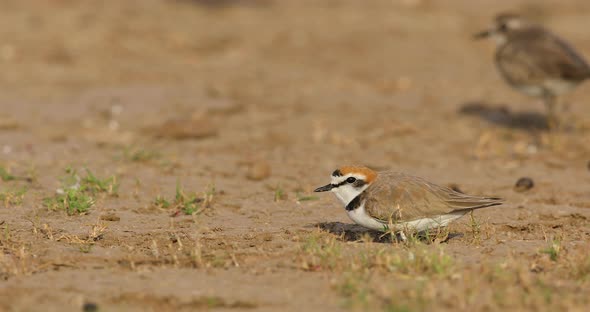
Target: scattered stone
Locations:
point(110, 217)
point(258, 171)
point(524, 184)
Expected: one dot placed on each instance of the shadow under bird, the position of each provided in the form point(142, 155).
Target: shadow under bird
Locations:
point(393, 201)
point(535, 61)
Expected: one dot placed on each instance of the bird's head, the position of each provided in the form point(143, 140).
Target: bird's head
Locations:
point(503, 25)
point(348, 182)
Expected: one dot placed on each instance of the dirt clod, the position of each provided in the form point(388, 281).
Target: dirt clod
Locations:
point(258, 171)
point(181, 129)
point(524, 184)
point(110, 217)
point(8, 123)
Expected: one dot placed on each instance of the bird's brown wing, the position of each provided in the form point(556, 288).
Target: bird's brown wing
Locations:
point(399, 197)
point(533, 55)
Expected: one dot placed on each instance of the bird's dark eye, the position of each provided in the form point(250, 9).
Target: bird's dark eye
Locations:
point(503, 27)
point(351, 180)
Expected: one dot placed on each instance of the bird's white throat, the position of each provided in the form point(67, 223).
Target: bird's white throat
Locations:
point(500, 39)
point(346, 193)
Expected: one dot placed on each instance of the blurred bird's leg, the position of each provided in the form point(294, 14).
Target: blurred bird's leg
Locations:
point(550, 102)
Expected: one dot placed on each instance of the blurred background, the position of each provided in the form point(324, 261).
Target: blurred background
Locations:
point(61, 58)
point(279, 52)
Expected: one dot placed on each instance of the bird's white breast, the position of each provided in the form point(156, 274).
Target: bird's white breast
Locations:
point(360, 217)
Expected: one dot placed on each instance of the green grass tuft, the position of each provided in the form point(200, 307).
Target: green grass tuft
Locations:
point(301, 197)
point(73, 201)
point(95, 185)
point(553, 250)
point(76, 195)
point(187, 203)
point(161, 202)
point(5, 175)
point(141, 155)
point(279, 194)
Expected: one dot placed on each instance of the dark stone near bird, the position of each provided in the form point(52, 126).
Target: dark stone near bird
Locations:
point(524, 184)
point(90, 307)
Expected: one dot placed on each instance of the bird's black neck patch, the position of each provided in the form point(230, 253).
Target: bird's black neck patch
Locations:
point(355, 203)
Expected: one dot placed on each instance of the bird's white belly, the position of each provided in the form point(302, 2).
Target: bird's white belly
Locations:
point(555, 86)
point(429, 223)
point(559, 86)
point(360, 217)
point(530, 90)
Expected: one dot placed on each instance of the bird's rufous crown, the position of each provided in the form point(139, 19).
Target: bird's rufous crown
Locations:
point(369, 174)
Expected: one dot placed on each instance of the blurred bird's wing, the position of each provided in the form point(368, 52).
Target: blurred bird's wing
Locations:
point(530, 56)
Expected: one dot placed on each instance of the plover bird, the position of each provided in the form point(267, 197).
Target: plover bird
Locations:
point(392, 201)
point(534, 61)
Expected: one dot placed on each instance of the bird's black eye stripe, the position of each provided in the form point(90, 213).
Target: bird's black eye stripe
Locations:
point(359, 183)
point(340, 184)
point(351, 180)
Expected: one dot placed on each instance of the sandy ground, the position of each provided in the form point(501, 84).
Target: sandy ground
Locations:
point(245, 107)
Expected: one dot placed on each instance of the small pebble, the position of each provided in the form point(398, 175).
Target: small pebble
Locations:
point(524, 184)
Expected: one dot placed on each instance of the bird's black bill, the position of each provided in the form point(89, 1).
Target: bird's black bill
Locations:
point(482, 35)
point(325, 188)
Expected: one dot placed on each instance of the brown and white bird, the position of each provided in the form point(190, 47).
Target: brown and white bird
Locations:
point(535, 61)
point(393, 201)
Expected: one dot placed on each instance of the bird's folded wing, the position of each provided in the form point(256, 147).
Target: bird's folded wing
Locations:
point(406, 198)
